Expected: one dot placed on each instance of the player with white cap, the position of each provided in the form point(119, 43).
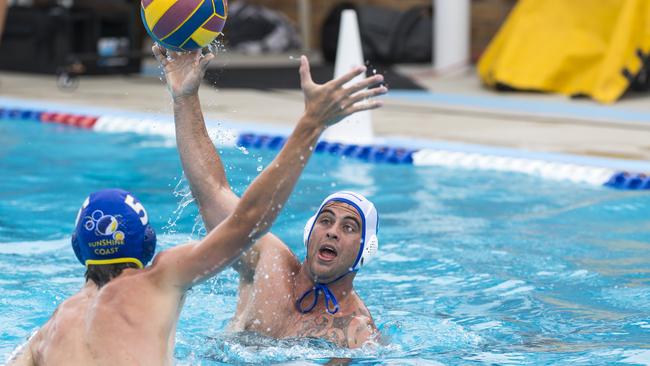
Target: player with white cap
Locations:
point(278, 295)
point(368, 246)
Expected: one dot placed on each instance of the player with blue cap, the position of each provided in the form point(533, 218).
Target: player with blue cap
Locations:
point(127, 311)
point(112, 227)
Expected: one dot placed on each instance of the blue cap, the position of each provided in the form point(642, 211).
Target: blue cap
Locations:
point(112, 226)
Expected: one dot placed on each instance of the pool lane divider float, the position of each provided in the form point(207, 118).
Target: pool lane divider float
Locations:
point(369, 153)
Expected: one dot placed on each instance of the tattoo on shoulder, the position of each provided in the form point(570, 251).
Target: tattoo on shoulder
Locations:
point(337, 330)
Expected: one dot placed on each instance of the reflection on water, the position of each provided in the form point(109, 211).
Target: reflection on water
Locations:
point(474, 267)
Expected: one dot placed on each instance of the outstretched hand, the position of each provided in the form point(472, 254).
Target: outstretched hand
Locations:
point(331, 102)
point(183, 71)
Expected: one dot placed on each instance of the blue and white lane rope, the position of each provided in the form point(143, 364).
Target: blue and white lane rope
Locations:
point(229, 137)
point(540, 168)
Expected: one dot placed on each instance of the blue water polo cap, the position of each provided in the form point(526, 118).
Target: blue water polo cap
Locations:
point(112, 226)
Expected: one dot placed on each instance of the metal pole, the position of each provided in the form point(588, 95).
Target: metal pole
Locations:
point(304, 12)
point(451, 27)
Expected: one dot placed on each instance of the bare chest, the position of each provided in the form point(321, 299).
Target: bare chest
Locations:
point(277, 316)
point(336, 329)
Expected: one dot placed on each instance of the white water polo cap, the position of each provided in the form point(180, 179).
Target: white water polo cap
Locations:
point(369, 224)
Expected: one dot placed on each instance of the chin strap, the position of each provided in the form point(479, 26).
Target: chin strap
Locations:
point(330, 299)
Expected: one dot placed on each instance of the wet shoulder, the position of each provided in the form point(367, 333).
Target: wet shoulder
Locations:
point(362, 310)
point(274, 276)
point(277, 255)
point(361, 329)
point(62, 329)
point(358, 327)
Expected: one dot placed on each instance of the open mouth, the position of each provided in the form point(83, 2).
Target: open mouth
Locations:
point(327, 253)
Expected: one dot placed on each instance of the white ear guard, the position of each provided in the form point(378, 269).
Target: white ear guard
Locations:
point(369, 240)
point(307, 231)
point(369, 250)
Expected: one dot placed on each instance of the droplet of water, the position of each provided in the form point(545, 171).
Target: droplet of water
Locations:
point(260, 168)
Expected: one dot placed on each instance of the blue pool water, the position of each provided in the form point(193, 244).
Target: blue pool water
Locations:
point(474, 267)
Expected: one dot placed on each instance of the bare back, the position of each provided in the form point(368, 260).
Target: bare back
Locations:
point(129, 321)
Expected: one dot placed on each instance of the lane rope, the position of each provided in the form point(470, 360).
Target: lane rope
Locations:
point(378, 154)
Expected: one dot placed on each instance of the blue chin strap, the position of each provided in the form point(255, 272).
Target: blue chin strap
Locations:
point(331, 304)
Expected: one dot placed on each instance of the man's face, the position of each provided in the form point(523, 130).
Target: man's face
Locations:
point(334, 242)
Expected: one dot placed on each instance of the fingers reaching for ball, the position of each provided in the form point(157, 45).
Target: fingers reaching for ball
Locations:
point(205, 60)
point(160, 54)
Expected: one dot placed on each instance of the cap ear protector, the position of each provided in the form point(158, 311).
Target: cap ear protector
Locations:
point(369, 246)
point(75, 247)
point(307, 231)
point(74, 240)
point(148, 245)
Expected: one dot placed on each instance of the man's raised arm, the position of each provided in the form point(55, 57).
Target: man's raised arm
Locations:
point(254, 214)
point(201, 163)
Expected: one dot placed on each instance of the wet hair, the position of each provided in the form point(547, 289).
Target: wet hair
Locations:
point(101, 274)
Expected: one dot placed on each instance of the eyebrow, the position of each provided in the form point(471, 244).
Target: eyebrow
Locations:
point(353, 218)
point(356, 221)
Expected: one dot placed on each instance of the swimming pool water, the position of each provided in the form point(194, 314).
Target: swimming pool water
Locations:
point(474, 267)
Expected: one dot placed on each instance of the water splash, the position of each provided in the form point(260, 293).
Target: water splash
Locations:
point(253, 348)
point(184, 195)
point(217, 46)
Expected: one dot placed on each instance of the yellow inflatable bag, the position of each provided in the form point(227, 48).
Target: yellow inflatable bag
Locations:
point(573, 47)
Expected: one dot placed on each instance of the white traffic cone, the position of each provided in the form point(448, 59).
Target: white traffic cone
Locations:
point(357, 128)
